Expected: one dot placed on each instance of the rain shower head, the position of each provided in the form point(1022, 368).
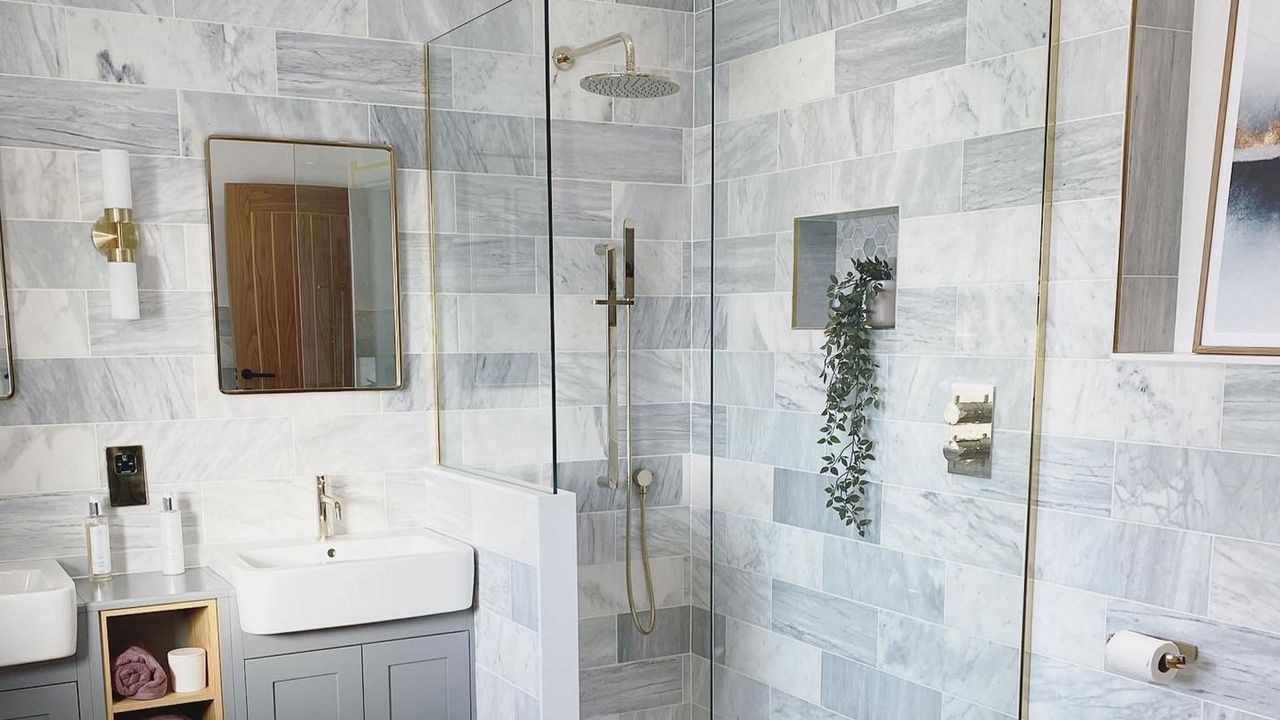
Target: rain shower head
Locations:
point(627, 84)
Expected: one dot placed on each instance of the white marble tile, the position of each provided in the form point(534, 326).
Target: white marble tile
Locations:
point(838, 128)
point(34, 184)
point(1088, 84)
point(363, 443)
point(783, 663)
point(100, 390)
point(364, 502)
point(280, 508)
point(770, 203)
point(86, 116)
point(989, 246)
point(783, 76)
point(1086, 240)
point(207, 450)
point(1245, 584)
point(924, 181)
point(985, 604)
point(760, 322)
point(49, 323)
point(498, 82)
point(996, 320)
point(660, 36)
point(995, 27)
point(1144, 402)
point(1081, 321)
point(508, 650)
point(768, 548)
point(33, 41)
point(165, 189)
point(342, 17)
point(172, 323)
point(1000, 95)
point(916, 388)
point(1085, 17)
point(48, 459)
point(983, 533)
point(742, 488)
point(602, 588)
point(206, 113)
point(163, 52)
point(1060, 691)
point(1069, 625)
point(355, 69)
point(503, 520)
point(968, 667)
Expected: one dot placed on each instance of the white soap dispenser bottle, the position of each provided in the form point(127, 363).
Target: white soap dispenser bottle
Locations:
point(173, 560)
point(97, 540)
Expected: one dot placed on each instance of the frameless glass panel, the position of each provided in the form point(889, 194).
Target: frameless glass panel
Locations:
point(490, 232)
point(6, 351)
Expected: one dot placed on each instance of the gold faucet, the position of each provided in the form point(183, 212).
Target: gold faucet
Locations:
point(323, 501)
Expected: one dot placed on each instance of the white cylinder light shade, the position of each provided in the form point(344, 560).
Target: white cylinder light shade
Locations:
point(117, 189)
point(122, 278)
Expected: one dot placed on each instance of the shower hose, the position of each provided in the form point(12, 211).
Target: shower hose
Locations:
point(642, 489)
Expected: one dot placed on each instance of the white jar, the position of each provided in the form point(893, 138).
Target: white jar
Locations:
point(187, 669)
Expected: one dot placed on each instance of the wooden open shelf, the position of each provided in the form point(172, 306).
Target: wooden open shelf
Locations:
point(159, 629)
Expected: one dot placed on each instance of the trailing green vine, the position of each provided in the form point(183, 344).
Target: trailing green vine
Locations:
point(849, 372)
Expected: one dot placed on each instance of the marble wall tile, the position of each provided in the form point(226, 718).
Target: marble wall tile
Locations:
point(145, 7)
point(165, 189)
point(826, 622)
point(487, 143)
point(597, 642)
point(87, 116)
point(399, 441)
point(1088, 158)
point(984, 247)
point(668, 530)
point(331, 67)
point(1069, 625)
point(1075, 475)
point(745, 264)
point(502, 205)
point(161, 52)
point(1251, 409)
point(631, 687)
point(1137, 562)
point(899, 45)
point(1087, 85)
point(1005, 170)
point(34, 41)
point(1085, 240)
point(602, 151)
point(762, 547)
point(788, 706)
point(985, 604)
point(801, 18)
point(509, 650)
point(421, 23)
point(994, 96)
point(738, 696)
point(919, 182)
point(800, 500)
point(996, 28)
point(773, 437)
point(602, 589)
point(581, 209)
point(405, 129)
point(986, 534)
point(496, 698)
point(497, 82)
point(1217, 712)
point(33, 184)
point(172, 323)
point(670, 636)
point(661, 212)
point(996, 320)
point(1075, 327)
point(798, 381)
point(339, 17)
point(100, 390)
point(776, 660)
point(742, 594)
point(1060, 691)
point(660, 35)
point(1085, 18)
point(770, 203)
point(743, 379)
point(674, 111)
point(660, 429)
point(746, 147)
point(917, 387)
point(838, 128)
point(967, 667)
point(207, 113)
point(779, 77)
point(489, 380)
point(913, 584)
point(207, 450)
point(1198, 490)
point(48, 324)
point(661, 323)
point(747, 489)
point(1240, 675)
point(743, 27)
point(1245, 584)
point(1169, 403)
point(48, 459)
point(857, 691)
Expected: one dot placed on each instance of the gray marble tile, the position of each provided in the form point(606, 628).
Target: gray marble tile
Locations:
point(602, 151)
point(910, 584)
point(597, 538)
point(743, 595)
point(1251, 409)
point(985, 604)
point(339, 17)
point(204, 114)
point(768, 548)
point(1199, 490)
point(773, 659)
point(1087, 87)
point(580, 478)
point(1060, 691)
point(996, 27)
point(743, 27)
point(145, 7)
point(744, 264)
point(1075, 475)
point(502, 205)
point(207, 450)
point(33, 41)
point(1240, 674)
point(837, 128)
point(172, 323)
point(1085, 242)
point(507, 83)
point(670, 636)
point(1074, 329)
point(52, 255)
point(782, 705)
point(1245, 584)
point(967, 667)
point(1172, 14)
point(770, 203)
point(405, 129)
point(1217, 712)
point(631, 687)
point(743, 379)
point(597, 642)
point(101, 390)
point(1004, 170)
point(661, 36)
point(661, 323)
point(86, 116)
point(996, 320)
point(858, 691)
point(916, 387)
point(827, 622)
point(421, 23)
point(341, 68)
point(1147, 315)
point(48, 324)
point(931, 321)
point(783, 76)
point(911, 42)
point(987, 534)
point(484, 143)
point(774, 437)
point(660, 429)
point(800, 499)
point(667, 529)
point(33, 184)
point(439, 77)
point(1137, 562)
point(674, 111)
point(492, 380)
point(1088, 159)
point(581, 209)
point(925, 181)
point(162, 52)
point(798, 381)
point(165, 189)
point(660, 212)
point(738, 696)
point(524, 594)
point(1085, 18)
point(802, 18)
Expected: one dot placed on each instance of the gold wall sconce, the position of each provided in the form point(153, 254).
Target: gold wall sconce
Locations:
point(115, 235)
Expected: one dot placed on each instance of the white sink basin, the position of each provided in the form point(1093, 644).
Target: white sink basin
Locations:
point(288, 586)
point(37, 612)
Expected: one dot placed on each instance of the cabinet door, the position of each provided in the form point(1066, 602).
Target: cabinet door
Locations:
point(426, 678)
point(320, 685)
point(51, 702)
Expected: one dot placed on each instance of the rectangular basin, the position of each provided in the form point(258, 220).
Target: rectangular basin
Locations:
point(37, 612)
point(295, 585)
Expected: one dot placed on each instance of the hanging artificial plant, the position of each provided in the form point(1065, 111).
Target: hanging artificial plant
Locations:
point(849, 372)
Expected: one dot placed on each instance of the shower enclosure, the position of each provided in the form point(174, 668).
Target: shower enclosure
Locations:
point(631, 277)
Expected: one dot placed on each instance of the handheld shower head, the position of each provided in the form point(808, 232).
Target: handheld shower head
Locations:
point(627, 84)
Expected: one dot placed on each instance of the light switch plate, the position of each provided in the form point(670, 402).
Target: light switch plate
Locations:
point(127, 475)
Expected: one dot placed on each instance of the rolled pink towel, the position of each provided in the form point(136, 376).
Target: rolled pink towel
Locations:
point(138, 675)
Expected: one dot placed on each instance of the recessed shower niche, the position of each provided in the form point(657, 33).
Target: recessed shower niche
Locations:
point(830, 244)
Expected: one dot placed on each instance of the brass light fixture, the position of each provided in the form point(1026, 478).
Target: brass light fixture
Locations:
point(115, 235)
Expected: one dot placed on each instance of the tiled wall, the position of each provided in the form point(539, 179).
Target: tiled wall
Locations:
point(934, 109)
point(1158, 488)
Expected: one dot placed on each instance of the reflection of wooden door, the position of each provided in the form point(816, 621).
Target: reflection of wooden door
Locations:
point(289, 276)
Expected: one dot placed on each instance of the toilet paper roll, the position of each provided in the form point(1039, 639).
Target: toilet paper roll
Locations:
point(1140, 657)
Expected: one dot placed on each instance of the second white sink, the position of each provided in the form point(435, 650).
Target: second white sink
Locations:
point(37, 612)
point(289, 586)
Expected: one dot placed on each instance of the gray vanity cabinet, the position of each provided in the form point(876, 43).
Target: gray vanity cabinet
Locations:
point(425, 678)
point(50, 702)
point(317, 685)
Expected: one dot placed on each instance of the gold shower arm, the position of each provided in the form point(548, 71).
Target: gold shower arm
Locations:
point(565, 56)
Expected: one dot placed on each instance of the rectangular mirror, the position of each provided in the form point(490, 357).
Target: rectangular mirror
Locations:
point(6, 351)
point(306, 282)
